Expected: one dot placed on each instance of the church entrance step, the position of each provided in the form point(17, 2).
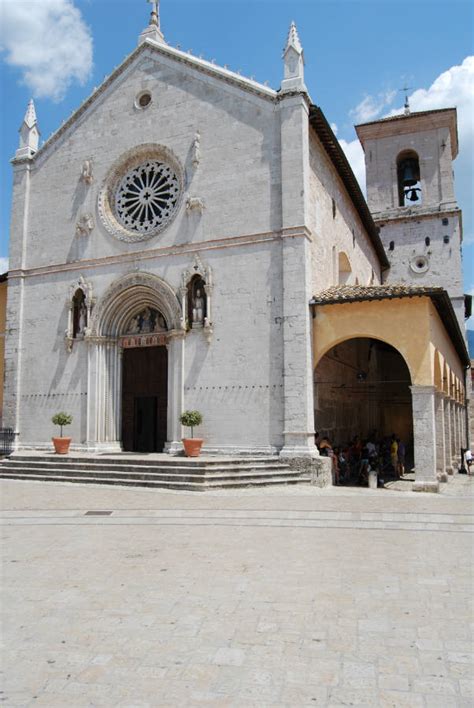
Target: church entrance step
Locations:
point(175, 484)
point(160, 471)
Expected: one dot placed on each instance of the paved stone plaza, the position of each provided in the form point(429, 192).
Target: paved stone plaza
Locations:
point(282, 597)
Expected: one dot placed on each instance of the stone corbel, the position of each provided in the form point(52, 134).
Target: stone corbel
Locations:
point(85, 225)
point(195, 204)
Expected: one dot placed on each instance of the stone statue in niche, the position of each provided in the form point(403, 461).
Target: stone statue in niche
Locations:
point(79, 314)
point(82, 323)
point(147, 321)
point(197, 302)
point(198, 308)
point(86, 172)
point(197, 150)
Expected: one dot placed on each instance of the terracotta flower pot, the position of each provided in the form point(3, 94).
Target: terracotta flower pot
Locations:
point(61, 445)
point(192, 446)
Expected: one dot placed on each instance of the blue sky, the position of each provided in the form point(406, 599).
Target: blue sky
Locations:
point(358, 55)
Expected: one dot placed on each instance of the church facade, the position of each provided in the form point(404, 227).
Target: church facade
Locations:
point(166, 244)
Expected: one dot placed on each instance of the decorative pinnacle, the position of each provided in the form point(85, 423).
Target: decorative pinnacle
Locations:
point(293, 40)
point(30, 116)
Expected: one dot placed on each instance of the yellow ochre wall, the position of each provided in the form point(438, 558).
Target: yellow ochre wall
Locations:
point(411, 325)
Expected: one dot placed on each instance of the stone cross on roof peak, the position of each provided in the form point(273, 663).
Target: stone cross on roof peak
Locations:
point(153, 31)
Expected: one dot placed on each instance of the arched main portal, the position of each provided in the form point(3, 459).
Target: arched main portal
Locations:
point(362, 387)
point(136, 366)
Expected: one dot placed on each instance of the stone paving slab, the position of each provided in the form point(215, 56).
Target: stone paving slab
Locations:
point(269, 598)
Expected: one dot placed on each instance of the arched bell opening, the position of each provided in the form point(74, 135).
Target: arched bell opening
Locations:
point(362, 394)
point(408, 178)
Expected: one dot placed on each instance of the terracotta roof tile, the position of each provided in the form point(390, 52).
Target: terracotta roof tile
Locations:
point(355, 293)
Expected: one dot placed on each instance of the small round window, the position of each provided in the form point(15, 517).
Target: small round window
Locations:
point(143, 100)
point(419, 264)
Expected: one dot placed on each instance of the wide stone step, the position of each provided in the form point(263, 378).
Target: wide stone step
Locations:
point(184, 474)
point(163, 484)
point(143, 461)
point(203, 468)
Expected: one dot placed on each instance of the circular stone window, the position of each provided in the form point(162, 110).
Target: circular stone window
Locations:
point(142, 195)
point(143, 99)
point(419, 264)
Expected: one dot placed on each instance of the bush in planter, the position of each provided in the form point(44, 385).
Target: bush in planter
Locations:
point(192, 445)
point(61, 445)
point(61, 419)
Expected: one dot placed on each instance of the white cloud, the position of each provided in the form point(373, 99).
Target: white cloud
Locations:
point(48, 42)
point(3, 265)
point(355, 155)
point(372, 106)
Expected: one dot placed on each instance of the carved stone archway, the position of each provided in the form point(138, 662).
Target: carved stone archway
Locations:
point(125, 298)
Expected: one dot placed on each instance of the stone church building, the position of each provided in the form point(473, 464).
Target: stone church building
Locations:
point(193, 239)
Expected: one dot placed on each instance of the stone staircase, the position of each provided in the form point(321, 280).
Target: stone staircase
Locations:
point(156, 471)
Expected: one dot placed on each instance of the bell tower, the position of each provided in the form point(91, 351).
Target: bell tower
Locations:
point(410, 192)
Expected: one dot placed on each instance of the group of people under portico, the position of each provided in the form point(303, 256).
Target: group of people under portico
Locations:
point(353, 460)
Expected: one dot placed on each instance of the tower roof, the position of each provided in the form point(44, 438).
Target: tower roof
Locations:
point(30, 116)
point(411, 123)
point(293, 40)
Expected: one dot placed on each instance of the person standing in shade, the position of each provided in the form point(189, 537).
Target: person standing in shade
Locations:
point(401, 457)
point(394, 453)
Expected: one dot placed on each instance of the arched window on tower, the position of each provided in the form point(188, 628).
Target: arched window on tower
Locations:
point(408, 177)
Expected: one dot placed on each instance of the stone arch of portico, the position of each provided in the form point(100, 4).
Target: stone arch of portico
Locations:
point(125, 298)
point(338, 340)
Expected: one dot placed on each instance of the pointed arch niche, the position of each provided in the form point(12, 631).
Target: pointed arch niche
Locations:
point(196, 298)
point(79, 303)
point(138, 310)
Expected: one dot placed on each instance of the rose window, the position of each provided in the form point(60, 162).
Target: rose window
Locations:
point(147, 197)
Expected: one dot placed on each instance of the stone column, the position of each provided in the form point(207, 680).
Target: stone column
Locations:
point(104, 376)
point(298, 394)
point(424, 435)
point(15, 315)
point(448, 434)
point(175, 390)
point(440, 438)
point(455, 433)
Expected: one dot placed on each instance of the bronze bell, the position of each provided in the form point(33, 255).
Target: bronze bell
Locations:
point(409, 177)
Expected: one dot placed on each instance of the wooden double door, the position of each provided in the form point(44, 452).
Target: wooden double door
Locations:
point(144, 399)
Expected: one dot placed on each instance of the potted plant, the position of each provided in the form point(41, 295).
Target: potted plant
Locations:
point(192, 445)
point(61, 445)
